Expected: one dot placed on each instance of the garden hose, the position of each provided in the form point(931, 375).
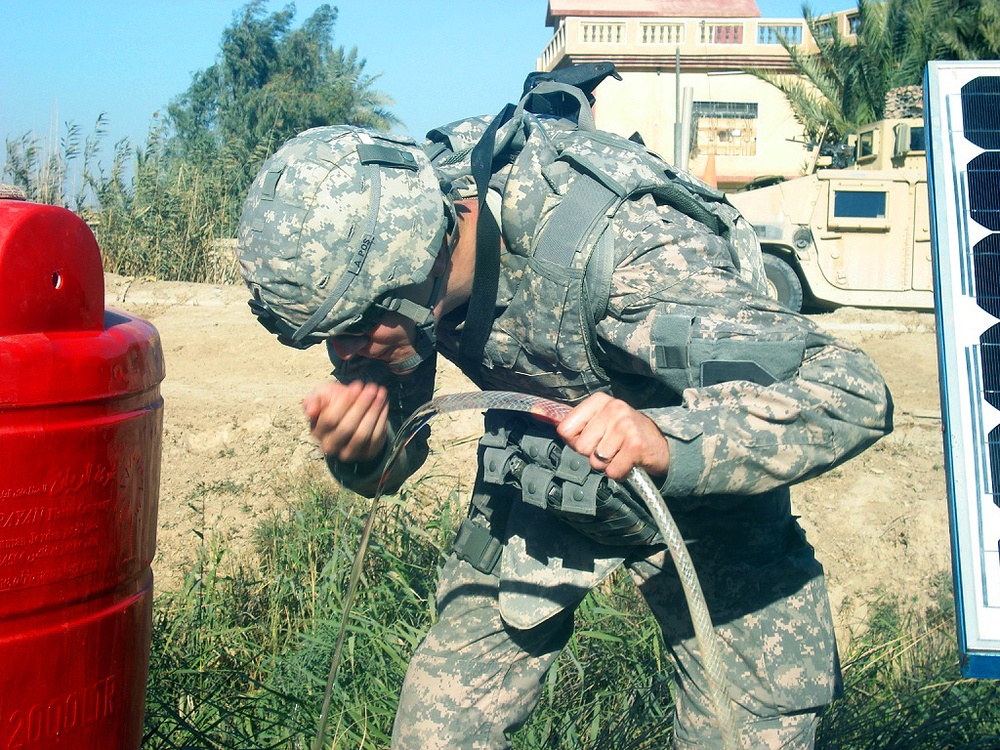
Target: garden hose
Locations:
point(640, 483)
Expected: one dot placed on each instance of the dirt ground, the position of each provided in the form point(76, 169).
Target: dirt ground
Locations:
point(235, 442)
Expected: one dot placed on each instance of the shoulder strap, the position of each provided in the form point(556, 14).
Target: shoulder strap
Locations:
point(482, 303)
point(573, 229)
point(573, 220)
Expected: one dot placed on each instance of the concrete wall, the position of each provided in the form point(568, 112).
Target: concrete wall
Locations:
point(645, 101)
point(713, 53)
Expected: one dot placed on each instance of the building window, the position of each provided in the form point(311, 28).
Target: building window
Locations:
point(768, 33)
point(721, 33)
point(661, 33)
point(603, 33)
point(823, 31)
point(854, 23)
point(724, 128)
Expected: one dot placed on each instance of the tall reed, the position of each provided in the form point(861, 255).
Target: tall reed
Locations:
point(152, 214)
point(241, 651)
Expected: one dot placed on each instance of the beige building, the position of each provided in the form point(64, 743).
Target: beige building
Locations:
point(740, 127)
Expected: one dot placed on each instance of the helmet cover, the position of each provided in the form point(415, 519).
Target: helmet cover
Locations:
point(338, 219)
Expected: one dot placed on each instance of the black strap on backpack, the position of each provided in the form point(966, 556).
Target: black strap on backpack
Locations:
point(585, 76)
point(573, 85)
point(485, 284)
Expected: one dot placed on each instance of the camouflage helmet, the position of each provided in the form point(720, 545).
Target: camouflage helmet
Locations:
point(338, 220)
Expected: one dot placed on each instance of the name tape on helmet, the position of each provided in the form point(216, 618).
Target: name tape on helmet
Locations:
point(386, 156)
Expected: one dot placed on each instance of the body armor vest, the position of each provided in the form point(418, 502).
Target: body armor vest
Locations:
point(559, 188)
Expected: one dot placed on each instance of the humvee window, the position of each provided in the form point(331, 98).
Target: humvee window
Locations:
point(859, 204)
point(866, 145)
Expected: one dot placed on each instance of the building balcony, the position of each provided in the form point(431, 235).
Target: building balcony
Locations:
point(702, 43)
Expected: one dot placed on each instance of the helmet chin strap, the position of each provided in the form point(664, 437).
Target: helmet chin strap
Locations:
point(423, 319)
point(409, 364)
point(425, 338)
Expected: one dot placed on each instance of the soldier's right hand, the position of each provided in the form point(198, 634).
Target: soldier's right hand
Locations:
point(348, 420)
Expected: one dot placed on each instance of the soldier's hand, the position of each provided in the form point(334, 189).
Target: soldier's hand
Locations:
point(615, 436)
point(349, 421)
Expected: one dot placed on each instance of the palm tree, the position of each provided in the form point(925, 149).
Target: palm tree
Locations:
point(972, 32)
point(844, 85)
point(363, 105)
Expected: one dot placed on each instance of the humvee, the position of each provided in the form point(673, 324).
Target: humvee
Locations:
point(858, 235)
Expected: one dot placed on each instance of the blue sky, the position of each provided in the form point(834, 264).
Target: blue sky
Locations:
point(71, 60)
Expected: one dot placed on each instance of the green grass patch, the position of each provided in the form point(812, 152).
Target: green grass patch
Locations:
point(241, 652)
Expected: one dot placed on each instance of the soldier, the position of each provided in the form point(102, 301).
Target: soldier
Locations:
point(540, 255)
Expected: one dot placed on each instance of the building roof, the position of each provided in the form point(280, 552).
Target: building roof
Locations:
point(652, 8)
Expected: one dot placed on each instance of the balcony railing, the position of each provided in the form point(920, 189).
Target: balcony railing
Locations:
point(720, 33)
point(751, 37)
point(555, 49)
point(661, 33)
point(602, 33)
point(773, 33)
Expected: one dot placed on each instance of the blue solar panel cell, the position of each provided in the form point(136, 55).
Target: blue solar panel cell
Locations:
point(989, 358)
point(984, 189)
point(986, 270)
point(981, 111)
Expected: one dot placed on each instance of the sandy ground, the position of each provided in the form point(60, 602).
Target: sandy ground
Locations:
point(235, 442)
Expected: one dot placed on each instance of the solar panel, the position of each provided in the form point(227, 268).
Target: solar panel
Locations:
point(962, 106)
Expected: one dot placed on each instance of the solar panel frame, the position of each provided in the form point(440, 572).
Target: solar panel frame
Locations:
point(964, 194)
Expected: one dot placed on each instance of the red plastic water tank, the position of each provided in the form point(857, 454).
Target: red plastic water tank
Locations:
point(81, 422)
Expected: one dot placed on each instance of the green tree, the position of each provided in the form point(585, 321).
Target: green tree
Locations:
point(972, 32)
point(844, 84)
point(270, 82)
point(168, 208)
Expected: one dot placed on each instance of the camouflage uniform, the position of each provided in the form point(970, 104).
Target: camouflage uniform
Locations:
point(678, 304)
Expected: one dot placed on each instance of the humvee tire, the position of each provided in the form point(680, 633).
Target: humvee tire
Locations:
point(783, 283)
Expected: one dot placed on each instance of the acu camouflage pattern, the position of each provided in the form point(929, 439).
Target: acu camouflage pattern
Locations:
point(305, 217)
point(680, 316)
point(527, 456)
point(475, 679)
point(529, 146)
point(543, 340)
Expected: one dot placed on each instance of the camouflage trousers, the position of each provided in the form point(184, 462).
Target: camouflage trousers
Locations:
point(475, 680)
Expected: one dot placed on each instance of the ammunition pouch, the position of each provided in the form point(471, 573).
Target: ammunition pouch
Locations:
point(480, 538)
point(519, 452)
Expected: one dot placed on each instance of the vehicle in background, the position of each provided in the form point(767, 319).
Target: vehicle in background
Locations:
point(852, 236)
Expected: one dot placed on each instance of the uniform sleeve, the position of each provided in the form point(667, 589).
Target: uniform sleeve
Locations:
point(406, 394)
point(750, 396)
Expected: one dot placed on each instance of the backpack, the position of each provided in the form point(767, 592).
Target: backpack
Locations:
point(560, 220)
